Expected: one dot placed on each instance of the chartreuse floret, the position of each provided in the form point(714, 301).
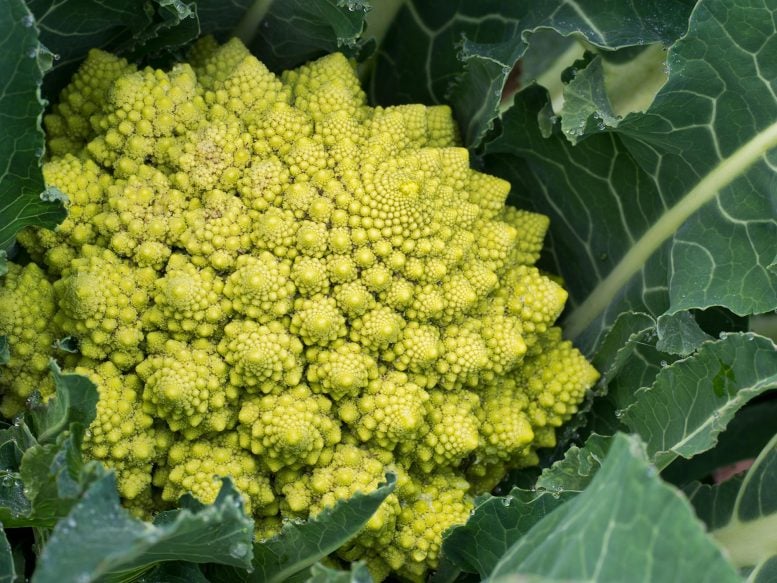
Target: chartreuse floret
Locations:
point(291, 430)
point(389, 411)
point(101, 299)
point(69, 125)
point(350, 470)
point(342, 370)
point(299, 290)
point(122, 435)
point(186, 387)
point(263, 358)
point(144, 216)
point(194, 466)
point(260, 287)
point(188, 301)
point(26, 307)
point(86, 185)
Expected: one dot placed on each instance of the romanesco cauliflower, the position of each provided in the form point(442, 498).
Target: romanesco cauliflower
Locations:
point(271, 280)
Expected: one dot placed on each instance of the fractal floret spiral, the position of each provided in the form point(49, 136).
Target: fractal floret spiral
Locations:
point(268, 279)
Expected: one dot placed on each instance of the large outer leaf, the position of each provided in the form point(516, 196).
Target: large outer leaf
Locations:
point(23, 61)
point(420, 60)
point(295, 31)
point(742, 512)
point(745, 436)
point(673, 209)
point(100, 540)
point(626, 526)
point(692, 400)
point(135, 28)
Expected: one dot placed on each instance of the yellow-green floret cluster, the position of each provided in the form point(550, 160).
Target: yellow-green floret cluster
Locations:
point(268, 279)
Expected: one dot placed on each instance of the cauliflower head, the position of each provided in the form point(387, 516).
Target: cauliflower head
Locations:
point(269, 279)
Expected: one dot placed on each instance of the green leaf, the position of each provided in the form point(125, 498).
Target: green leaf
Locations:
point(23, 62)
point(742, 512)
point(174, 572)
point(577, 469)
point(495, 525)
point(626, 522)
point(54, 477)
point(7, 566)
point(765, 572)
point(693, 400)
point(424, 59)
point(134, 28)
point(300, 545)
point(586, 104)
point(100, 540)
point(219, 17)
point(41, 481)
point(296, 31)
point(745, 436)
point(680, 333)
point(661, 221)
point(75, 402)
point(322, 574)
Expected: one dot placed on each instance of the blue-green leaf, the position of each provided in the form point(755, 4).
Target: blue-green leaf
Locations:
point(100, 540)
point(23, 62)
point(626, 526)
point(692, 400)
